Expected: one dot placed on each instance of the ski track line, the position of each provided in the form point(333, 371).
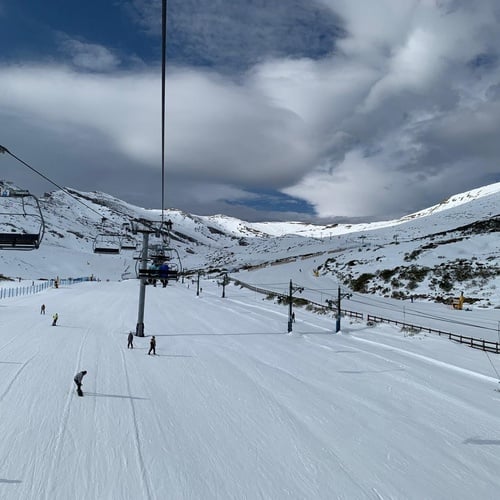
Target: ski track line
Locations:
point(296, 418)
point(7, 389)
point(260, 308)
point(8, 343)
point(427, 359)
point(432, 361)
point(56, 457)
point(157, 419)
point(18, 372)
point(140, 459)
point(243, 314)
point(420, 385)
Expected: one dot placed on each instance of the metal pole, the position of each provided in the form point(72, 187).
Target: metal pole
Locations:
point(337, 323)
point(290, 308)
point(224, 286)
point(198, 285)
point(139, 329)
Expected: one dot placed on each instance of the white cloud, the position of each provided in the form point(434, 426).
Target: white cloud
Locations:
point(234, 129)
point(215, 128)
point(89, 56)
point(395, 101)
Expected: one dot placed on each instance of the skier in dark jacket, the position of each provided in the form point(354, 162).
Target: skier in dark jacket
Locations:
point(152, 345)
point(78, 381)
point(130, 344)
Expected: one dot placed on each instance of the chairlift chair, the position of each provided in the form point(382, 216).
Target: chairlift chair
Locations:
point(107, 244)
point(128, 243)
point(25, 219)
point(164, 264)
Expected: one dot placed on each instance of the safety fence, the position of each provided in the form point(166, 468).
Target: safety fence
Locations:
point(19, 291)
point(344, 312)
point(484, 345)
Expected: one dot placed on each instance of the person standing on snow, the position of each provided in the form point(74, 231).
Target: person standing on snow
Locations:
point(130, 344)
point(54, 319)
point(78, 381)
point(152, 345)
point(42, 309)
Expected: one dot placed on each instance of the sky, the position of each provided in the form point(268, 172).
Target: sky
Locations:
point(314, 110)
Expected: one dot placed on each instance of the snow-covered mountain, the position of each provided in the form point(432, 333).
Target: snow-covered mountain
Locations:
point(435, 253)
point(234, 404)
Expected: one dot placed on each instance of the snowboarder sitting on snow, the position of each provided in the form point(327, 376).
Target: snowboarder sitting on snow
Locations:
point(152, 345)
point(78, 381)
point(54, 319)
point(130, 341)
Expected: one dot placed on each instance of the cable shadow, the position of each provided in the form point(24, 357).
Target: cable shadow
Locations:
point(72, 327)
point(242, 334)
point(11, 363)
point(100, 395)
point(360, 372)
point(172, 355)
point(482, 441)
point(10, 481)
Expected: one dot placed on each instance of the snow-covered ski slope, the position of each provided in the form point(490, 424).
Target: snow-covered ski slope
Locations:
point(233, 407)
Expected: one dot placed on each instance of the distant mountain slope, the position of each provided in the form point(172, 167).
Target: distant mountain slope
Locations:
point(415, 255)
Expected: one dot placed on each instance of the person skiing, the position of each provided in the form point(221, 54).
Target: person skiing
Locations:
point(130, 344)
point(42, 309)
point(54, 319)
point(78, 381)
point(152, 345)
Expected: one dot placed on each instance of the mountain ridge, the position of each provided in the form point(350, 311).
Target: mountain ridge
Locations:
point(419, 252)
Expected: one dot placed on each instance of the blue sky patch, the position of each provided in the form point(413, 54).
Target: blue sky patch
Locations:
point(270, 200)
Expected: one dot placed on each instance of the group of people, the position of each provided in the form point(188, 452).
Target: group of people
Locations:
point(152, 343)
point(78, 378)
point(55, 317)
point(158, 271)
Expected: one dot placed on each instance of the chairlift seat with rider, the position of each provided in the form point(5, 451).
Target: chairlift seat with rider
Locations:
point(161, 266)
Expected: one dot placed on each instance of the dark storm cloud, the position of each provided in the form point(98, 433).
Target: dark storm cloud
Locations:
point(235, 35)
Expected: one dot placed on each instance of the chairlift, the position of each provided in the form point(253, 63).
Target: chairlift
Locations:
point(107, 244)
point(164, 264)
point(19, 210)
point(128, 243)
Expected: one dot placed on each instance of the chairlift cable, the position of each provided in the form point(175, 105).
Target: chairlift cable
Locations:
point(163, 71)
point(3, 149)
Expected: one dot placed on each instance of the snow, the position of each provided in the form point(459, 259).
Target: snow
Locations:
point(232, 406)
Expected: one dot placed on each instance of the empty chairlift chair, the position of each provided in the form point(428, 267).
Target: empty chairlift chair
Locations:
point(128, 243)
point(21, 220)
point(107, 244)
